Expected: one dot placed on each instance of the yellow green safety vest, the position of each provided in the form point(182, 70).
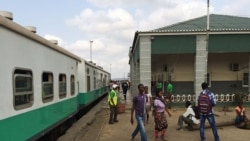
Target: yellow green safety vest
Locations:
point(114, 98)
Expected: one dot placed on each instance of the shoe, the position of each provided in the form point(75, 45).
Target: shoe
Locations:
point(131, 138)
point(190, 128)
point(111, 122)
point(116, 120)
point(164, 139)
point(178, 128)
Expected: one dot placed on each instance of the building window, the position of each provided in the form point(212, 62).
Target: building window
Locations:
point(47, 87)
point(62, 86)
point(72, 84)
point(169, 77)
point(245, 79)
point(23, 89)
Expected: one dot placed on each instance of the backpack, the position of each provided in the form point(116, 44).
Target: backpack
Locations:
point(196, 111)
point(204, 103)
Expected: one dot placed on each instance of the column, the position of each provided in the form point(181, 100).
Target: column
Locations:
point(145, 61)
point(200, 62)
point(249, 75)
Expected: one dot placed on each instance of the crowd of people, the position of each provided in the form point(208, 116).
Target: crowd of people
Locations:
point(194, 115)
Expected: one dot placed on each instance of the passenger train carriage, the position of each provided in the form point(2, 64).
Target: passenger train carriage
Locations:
point(41, 84)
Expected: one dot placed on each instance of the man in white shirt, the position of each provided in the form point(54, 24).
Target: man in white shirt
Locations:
point(188, 117)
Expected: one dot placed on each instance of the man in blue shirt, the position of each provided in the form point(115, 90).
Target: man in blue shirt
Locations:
point(209, 116)
point(138, 106)
point(124, 89)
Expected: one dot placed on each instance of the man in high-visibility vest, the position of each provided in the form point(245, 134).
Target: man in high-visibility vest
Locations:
point(112, 100)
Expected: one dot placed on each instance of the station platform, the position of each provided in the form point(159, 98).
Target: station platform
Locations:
point(94, 126)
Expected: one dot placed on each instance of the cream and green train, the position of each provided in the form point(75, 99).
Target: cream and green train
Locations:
point(41, 84)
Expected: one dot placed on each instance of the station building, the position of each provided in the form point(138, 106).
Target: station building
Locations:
point(190, 52)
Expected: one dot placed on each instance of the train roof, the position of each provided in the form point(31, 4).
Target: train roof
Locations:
point(92, 64)
point(7, 23)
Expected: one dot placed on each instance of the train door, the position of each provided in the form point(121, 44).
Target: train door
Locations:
point(88, 83)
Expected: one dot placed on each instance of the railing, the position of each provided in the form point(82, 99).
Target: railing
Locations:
point(181, 98)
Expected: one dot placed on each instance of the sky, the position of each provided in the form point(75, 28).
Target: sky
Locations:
point(110, 24)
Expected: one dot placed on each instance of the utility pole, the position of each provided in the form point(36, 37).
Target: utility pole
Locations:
point(91, 41)
point(110, 69)
point(207, 34)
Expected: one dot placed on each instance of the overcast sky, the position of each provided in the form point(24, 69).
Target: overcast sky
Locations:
point(110, 24)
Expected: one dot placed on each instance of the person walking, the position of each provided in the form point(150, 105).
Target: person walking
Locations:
point(148, 102)
point(170, 89)
point(206, 100)
point(189, 117)
point(160, 119)
point(112, 100)
point(124, 89)
point(139, 107)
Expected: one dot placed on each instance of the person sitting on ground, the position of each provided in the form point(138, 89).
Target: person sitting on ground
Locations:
point(240, 114)
point(188, 117)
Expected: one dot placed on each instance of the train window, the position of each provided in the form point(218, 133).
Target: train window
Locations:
point(88, 83)
point(62, 86)
point(23, 89)
point(102, 82)
point(72, 84)
point(94, 83)
point(87, 70)
point(47, 87)
point(105, 80)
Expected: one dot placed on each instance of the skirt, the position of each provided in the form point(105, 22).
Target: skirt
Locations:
point(161, 122)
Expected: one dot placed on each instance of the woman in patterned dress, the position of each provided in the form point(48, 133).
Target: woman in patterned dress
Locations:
point(160, 118)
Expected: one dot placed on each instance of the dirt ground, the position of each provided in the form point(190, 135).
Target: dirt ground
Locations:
point(94, 126)
point(100, 130)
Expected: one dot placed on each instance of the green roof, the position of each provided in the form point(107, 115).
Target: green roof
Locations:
point(219, 23)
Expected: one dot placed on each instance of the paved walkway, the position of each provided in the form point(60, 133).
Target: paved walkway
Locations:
point(122, 130)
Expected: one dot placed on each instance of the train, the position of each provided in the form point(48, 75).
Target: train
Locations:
point(43, 86)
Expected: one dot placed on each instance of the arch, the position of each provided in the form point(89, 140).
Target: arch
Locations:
point(232, 97)
point(178, 98)
point(189, 97)
point(194, 97)
point(183, 98)
point(216, 97)
point(222, 97)
point(174, 99)
point(227, 97)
